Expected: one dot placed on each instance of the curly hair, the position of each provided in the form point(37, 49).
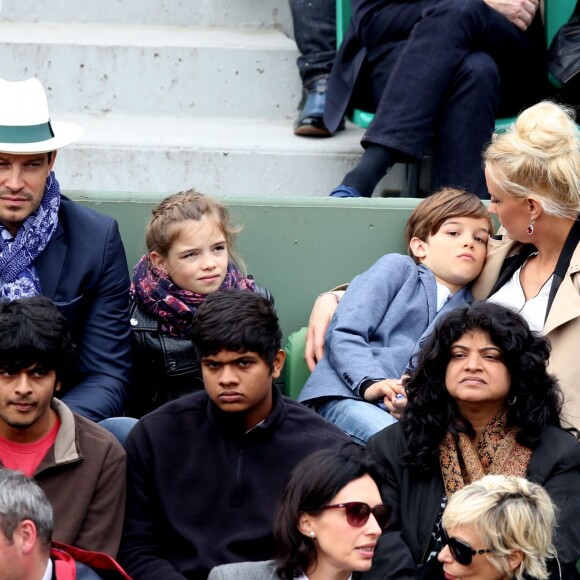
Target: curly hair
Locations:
point(431, 411)
point(312, 485)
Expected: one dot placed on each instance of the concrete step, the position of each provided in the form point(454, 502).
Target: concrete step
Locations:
point(216, 156)
point(199, 13)
point(156, 70)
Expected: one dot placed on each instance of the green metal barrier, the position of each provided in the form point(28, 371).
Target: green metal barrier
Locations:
point(297, 247)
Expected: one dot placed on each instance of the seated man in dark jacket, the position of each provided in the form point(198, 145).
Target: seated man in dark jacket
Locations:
point(438, 72)
point(206, 471)
point(52, 246)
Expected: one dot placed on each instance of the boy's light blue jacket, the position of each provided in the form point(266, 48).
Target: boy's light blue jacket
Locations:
point(377, 327)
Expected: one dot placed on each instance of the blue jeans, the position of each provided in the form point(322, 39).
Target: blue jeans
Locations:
point(119, 427)
point(438, 71)
point(358, 419)
point(315, 34)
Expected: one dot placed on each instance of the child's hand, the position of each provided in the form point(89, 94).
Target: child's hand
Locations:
point(393, 394)
point(396, 405)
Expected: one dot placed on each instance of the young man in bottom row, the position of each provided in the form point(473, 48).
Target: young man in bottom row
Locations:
point(206, 472)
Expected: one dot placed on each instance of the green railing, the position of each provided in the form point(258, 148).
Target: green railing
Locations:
point(297, 247)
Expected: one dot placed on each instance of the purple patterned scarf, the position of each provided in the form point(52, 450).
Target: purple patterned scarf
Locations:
point(173, 306)
point(18, 276)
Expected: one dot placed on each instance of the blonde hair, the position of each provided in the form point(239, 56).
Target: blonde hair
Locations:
point(539, 156)
point(164, 227)
point(510, 513)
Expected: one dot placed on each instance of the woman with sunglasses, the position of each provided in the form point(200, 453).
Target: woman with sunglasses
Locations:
point(498, 528)
point(328, 524)
point(479, 402)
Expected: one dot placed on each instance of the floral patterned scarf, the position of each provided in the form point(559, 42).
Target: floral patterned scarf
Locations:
point(497, 452)
point(173, 306)
point(17, 274)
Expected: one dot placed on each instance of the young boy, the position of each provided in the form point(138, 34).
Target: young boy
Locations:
point(206, 472)
point(388, 310)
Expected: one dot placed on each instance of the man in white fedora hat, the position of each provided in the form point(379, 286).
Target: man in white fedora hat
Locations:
point(53, 246)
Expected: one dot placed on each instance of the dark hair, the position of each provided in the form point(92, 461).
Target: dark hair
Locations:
point(312, 485)
point(33, 332)
point(431, 411)
point(238, 321)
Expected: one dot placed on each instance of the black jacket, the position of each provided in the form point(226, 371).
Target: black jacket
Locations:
point(555, 464)
point(201, 492)
point(164, 367)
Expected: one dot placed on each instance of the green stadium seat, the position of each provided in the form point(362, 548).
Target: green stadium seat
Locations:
point(296, 370)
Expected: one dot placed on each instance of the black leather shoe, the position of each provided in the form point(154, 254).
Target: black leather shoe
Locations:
point(311, 109)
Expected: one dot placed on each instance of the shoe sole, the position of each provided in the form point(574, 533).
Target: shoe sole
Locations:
point(311, 131)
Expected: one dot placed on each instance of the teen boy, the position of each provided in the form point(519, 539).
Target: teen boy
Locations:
point(205, 472)
point(388, 310)
point(79, 465)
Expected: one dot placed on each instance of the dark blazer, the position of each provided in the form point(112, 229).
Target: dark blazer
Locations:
point(374, 23)
point(555, 464)
point(83, 269)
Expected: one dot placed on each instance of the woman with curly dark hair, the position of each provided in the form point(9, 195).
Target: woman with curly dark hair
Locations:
point(328, 524)
point(480, 401)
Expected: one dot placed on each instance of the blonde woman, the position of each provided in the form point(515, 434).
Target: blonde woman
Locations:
point(533, 265)
point(499, 528)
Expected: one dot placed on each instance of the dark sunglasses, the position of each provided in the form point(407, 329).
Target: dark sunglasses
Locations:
point(462, 552)
point(358, 513)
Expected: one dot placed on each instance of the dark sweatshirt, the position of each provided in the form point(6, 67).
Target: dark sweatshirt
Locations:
point(202, 492)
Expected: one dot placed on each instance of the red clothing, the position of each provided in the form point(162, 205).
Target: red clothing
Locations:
point(83, 477)
point(66, 560)
point(26, 457)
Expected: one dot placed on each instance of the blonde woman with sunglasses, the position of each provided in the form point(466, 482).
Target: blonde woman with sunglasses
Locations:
point(328, 524)
point(498, 528)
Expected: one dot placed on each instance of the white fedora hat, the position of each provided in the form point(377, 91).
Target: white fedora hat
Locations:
point(25, 125)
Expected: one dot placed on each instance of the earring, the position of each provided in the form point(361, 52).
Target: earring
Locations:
point(312, 535)
point(530, 228)
point(512, 402)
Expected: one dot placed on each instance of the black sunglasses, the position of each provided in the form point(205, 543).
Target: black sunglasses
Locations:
point(461, 551)
point(358, 513)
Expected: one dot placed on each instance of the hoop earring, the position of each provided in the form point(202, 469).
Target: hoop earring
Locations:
point(530, 228)
point(512, 402)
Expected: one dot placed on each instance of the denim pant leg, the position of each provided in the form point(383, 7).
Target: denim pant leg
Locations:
point(421, 79)
point(358, 419)
point(119, 427)
point(315, 34)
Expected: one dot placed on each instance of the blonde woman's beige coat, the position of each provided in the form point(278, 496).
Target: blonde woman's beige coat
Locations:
point(562, 326)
